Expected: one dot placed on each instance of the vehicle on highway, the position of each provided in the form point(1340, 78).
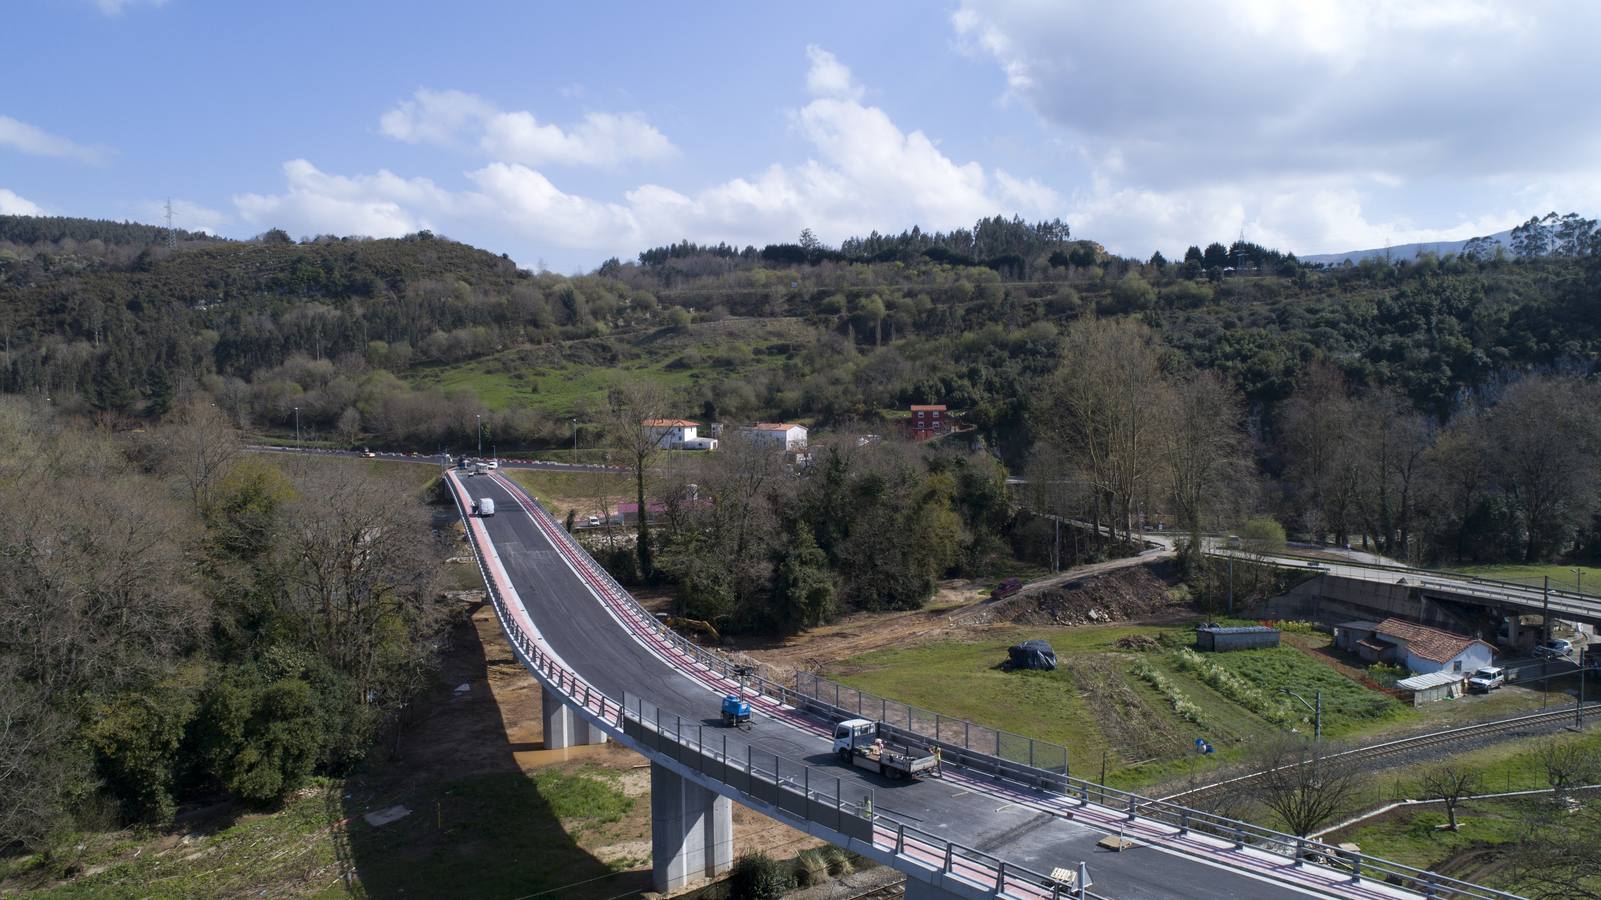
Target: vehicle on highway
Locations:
point(485, 507)
point(857, 741)
point(594, 521)
point(369, 454)
point(1486, 679)
point(1556, 649)
point(492, 464)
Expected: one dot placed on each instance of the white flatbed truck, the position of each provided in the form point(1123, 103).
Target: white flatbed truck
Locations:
point(857, 742)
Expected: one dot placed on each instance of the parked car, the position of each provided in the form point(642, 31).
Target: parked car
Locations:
point(594, 521)
point(1558, 649)
point(1486, 679)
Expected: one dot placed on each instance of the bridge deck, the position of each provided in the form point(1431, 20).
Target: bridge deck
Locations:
point(1040, 831)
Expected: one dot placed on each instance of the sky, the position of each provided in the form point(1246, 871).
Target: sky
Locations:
point(565, 133)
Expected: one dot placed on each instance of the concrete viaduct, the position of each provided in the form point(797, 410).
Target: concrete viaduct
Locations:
point(989, 826)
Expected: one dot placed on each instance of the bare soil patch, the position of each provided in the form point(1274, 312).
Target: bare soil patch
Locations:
point(1127, 593)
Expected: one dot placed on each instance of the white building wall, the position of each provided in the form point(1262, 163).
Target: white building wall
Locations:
point(1474, 657)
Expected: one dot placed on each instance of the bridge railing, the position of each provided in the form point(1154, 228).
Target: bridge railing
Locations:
point(843, 701)
point(1184, 819)
point(794, 787)
point(818, 793)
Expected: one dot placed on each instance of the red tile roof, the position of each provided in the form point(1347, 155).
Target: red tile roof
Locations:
point(940, 408)
point(774, 426)
point(1429, 643)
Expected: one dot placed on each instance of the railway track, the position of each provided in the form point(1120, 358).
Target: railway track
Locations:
point(1399, 746)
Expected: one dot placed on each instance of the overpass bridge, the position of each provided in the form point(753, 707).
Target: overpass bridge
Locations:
point(991, 825)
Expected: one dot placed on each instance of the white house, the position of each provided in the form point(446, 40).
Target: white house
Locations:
point(781, 435)
point(1417, 648)
point(673, 434)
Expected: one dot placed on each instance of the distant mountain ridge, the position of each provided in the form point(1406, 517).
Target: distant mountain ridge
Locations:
point(1405, 251)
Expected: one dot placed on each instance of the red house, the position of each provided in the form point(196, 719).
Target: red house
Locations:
point(928, 422)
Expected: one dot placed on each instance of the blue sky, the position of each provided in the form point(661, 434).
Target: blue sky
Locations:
point(566, 133)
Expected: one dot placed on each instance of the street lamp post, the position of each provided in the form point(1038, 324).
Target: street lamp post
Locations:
point(479, 427)
point(297, 424)
point(575, 440)
point(1317, 711)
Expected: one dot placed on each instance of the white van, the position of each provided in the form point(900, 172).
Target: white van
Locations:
point(486, 506)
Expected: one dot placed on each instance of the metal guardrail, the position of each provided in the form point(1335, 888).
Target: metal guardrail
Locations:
point(764, 776)
point(1243, 834)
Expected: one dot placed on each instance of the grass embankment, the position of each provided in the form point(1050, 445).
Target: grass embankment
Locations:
point(1490, 828)
point(563, 377)
point(1562, 577)
point(1143, 709)
point(503, 834)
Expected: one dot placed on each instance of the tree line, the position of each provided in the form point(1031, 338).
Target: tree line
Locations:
point(179, 621)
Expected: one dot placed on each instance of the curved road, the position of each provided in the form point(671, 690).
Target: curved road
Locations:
point(1031, 830)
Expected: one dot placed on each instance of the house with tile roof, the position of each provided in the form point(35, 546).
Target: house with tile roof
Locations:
point(782, 435)
point(1418, 648)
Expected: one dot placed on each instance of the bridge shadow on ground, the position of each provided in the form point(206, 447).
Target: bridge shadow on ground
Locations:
point(467, 803)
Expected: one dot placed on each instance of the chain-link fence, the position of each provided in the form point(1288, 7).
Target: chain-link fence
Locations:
point(955, 732)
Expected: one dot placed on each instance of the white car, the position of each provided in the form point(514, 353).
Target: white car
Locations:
point(492, 464)
point(594, 521)
point(1486, 679)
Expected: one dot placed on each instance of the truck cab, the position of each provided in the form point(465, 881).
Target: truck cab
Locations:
point(853, 733)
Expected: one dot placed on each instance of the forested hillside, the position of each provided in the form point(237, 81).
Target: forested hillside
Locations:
point(409, 342)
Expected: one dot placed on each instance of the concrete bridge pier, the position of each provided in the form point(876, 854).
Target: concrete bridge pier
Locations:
point(563, 727)
point(691, 830)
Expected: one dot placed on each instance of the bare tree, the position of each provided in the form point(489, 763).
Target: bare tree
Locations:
point(198, 449)
point(1544, 434)
point(355, 569)
point(1323, 463)
point(1204, 452)
point(1452, 784)
point(1106, 407)
point(1302, 782)
point(629, 406)
point(1558, 857)
point(1566, 764)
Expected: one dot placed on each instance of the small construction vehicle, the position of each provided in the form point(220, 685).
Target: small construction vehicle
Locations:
point(736, 711)
point(857, 742)
point(1006, 588)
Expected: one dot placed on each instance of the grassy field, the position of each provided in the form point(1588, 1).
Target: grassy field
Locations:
point(1144, 710)
point(562, 378)
point(1561, 576)
point(504, 834)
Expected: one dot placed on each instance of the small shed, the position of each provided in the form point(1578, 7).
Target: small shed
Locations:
point(1032, 655)
point(1218, 638)
point(1433, 686)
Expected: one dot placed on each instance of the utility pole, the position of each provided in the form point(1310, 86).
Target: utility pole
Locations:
point(479, 427)
point(1231, 585)
point(297, 424)
point(575, 440)
point(1578, 580)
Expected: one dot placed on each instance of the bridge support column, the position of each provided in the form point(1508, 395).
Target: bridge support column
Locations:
point(691, 830)
point(922, 890)
point(563, 727)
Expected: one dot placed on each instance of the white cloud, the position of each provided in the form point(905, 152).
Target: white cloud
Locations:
point(21, 136)
point(116, 7)
point(381, 205)
point(828, 77)
point(865, 173)
point(13, 205)
point(1301, 119)
point(457, 118)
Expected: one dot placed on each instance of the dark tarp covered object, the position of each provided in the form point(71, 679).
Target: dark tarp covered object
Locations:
point(1032, 655)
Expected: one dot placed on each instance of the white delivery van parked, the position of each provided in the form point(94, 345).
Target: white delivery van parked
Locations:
point(486, 507)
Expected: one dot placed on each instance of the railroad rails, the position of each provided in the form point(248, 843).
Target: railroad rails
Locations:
point(1398, 746)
